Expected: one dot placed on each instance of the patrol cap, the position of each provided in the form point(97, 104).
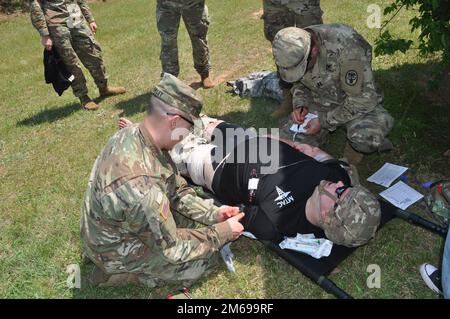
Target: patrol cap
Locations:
point(291, 47)
point(178, 94)
point(354, 219)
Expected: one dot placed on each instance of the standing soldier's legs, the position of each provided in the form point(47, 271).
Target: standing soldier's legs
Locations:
point(367, 134)
point(311, 17)
point(90, 54)
point(276, 17)
point(62, 41)
point(196, 21)
point(168, 22)
point(307, 12)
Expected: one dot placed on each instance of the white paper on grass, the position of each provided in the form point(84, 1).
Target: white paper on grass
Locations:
point(300, 128)
point(401, 195)
point(387, 174)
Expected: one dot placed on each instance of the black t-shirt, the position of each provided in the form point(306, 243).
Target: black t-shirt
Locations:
point(277, 208)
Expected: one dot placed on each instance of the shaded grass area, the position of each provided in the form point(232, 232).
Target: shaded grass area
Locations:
point(48, 146)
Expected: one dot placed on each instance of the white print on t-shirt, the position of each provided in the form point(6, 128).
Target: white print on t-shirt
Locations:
point(284, 198)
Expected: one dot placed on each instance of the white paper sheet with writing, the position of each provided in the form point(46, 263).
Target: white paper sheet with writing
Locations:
point(401, 195)
point(387, 174)
point(300, 128)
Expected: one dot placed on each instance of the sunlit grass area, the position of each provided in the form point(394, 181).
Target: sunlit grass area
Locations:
point(48, 146)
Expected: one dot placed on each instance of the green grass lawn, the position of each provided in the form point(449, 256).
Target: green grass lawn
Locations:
point(48, 146)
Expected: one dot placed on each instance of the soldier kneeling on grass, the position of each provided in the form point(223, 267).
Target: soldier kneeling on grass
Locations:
point(329, 67)
point(140, 221)
point(68, 26)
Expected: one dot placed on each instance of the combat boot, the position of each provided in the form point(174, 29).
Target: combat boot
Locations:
point(385, 146)
point(285, 108)
point(100, 279)
point(88, 104)
point(85, 260)
point(353, 157)
point(207, 82)
point(111, 90)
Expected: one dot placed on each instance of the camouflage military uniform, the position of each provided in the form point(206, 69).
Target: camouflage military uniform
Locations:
point(66, 22)
point(139, 215)
point(196, 20)
point(280, 14)
point(342, 91)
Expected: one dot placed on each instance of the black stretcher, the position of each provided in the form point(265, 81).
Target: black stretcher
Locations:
point(318, 269)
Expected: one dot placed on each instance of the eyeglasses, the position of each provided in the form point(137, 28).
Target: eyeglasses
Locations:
point(340, 190)
point(183, 117)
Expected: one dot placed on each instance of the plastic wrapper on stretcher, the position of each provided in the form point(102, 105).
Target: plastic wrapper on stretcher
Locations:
point(308, 244)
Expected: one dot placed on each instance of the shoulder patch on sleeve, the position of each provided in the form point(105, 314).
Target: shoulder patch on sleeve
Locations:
point(164, 207)
point(352, 77)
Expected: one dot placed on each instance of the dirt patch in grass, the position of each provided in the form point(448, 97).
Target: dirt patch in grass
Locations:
point(7, 16)
point(235, 70)
point(257, 14)
point(238, 67)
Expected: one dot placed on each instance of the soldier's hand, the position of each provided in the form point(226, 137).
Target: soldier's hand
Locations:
point(226, 212)
point(313, 127)
point(236, 226)
point(298, 115)
point(47, 42)
point(93, 27)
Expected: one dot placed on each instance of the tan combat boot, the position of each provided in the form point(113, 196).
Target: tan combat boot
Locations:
point(111, 90)
point(207, 82)
point(88, 104)
point(353, 157)
point(285, 107)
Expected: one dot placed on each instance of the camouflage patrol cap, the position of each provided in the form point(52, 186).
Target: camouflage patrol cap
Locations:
point(178, 94)
point(355, 218)
point(291, 47)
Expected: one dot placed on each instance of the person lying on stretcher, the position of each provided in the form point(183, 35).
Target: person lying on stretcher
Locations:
point(285, 187)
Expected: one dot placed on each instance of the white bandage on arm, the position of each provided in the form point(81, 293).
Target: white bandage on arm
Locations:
point(196, 163)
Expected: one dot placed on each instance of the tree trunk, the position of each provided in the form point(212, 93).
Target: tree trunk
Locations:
point(444, 82)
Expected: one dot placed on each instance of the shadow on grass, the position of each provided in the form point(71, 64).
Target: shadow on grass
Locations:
point(51, 115)
point(258, 115)
point(418, 135)
point(130, 107)
point(137, 104)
